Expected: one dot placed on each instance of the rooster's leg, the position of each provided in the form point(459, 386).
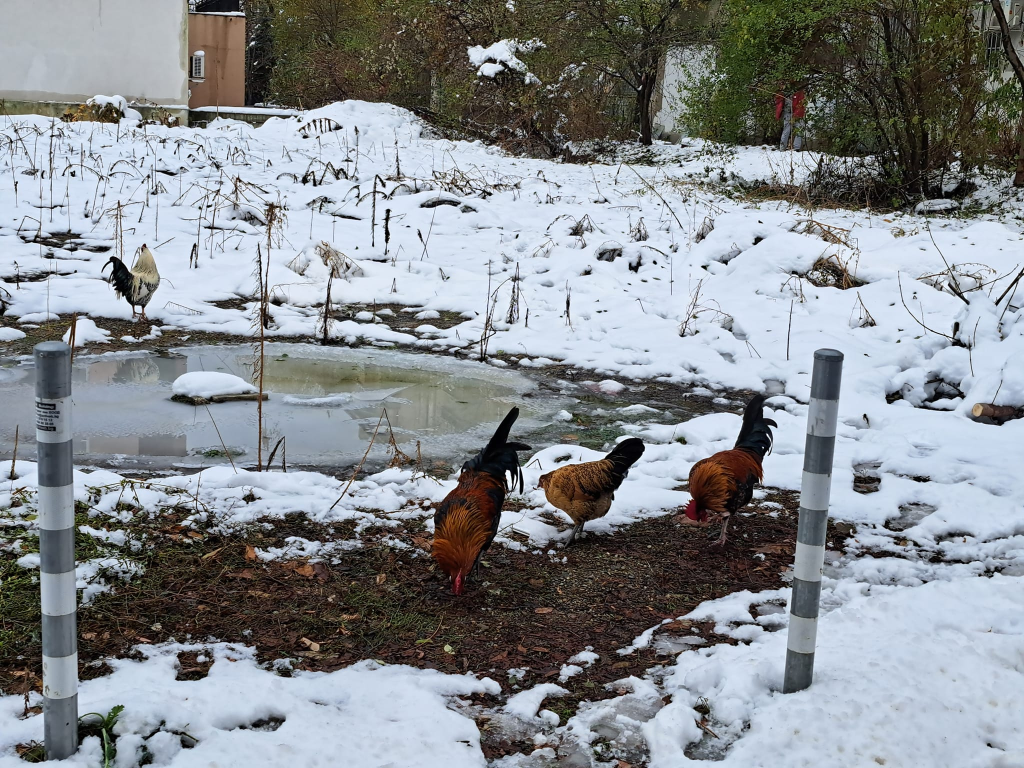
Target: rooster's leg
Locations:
point(576, 531)
point(721, 539)
point(144, 318)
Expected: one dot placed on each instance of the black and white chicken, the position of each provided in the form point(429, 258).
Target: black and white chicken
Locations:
point(138, 284)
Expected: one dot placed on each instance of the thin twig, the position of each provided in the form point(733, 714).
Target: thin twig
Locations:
point(955, 287)
point(663, 200)
point(222, 445)
point(356, 472)
point(1010, 287)
point(919, 322)
point(789, 330)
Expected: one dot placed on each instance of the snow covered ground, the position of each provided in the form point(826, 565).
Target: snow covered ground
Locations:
point(637, 272)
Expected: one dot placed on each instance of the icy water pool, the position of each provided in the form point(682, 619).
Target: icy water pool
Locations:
point(325, 402)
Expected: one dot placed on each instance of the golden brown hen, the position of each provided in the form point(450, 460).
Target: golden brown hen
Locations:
point(724, 482)
point(585, 491)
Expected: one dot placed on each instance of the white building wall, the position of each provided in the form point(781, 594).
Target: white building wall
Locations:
point(70, 50)
point(683, 67)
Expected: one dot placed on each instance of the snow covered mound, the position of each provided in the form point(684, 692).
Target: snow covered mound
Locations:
point(11, 334)
point(86, 332)
point(354, 713)
point(209, 384)
point(900, 680)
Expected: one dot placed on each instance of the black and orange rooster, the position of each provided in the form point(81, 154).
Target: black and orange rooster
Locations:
point(585, 491)
point(724, 482)
point(466, 522)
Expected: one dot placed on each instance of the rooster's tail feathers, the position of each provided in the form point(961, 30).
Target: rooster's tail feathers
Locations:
point(626, 454)
point(499, 456)
point(120, 277)
point(756, 434)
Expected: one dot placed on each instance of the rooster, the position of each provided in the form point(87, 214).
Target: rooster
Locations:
point(585, 491)
point(138, 284)
point(724, 483)
point(466, 522)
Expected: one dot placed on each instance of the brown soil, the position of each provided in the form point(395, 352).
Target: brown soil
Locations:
point(391, 604)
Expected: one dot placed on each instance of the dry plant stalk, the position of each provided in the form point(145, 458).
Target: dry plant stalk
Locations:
point(260, 324)
point(326, 321)
point(14, 456)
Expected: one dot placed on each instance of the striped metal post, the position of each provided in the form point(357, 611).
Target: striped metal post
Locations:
point(810, 537)
point(57, 549)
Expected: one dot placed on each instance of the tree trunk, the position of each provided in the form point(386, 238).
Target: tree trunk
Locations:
point(1018, 71)
point(1018, 177)
point(644, 99)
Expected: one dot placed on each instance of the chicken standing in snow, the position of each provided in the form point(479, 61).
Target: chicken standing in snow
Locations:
point(138, 284)
point(585, 491)
point(724, 483)
point(466, 522)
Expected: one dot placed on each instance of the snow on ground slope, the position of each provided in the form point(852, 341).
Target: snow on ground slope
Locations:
point(242, 715)
point(688, 283)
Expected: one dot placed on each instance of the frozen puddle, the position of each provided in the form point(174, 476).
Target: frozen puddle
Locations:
point(325, 402)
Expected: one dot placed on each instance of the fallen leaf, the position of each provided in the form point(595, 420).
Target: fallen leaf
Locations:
point(305, 570)
point(381, 578)
point(676, 626)
point(143, 639)
point(195, 534)
point(537, 582)
point(85, 636)
point(775, 549)
point(215, 552)
point(521, 648)
point(540, 649)
point(250, 552)
point(543, 610)
point(449, 649)
point(421, 542)
point(310, 644)
point(245, 573)
point(620, 665)
point(322, 571)
point(500, 657)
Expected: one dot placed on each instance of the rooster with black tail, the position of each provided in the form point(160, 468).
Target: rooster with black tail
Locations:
point(723, 484)
point(138, 284)
point(466, 522)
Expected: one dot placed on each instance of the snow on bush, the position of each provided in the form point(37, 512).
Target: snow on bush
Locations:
point(501, 56)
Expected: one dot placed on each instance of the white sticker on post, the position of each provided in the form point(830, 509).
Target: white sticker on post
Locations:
point(53, 420)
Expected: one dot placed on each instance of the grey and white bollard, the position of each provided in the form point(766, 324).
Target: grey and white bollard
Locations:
point(57, 549)
point(810, 536)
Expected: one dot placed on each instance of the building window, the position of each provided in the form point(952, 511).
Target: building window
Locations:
point(197, 66)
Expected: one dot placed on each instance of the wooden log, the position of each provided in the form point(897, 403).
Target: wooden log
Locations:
point(196, 400)
point(996, 412)
point(254, 396)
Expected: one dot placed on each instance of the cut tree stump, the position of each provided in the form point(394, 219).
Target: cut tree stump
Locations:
point(995, 412)
point(195, 400)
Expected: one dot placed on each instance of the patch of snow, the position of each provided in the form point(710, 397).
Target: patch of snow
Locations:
point(358, 701)
point(209, 383)
point(86, 332)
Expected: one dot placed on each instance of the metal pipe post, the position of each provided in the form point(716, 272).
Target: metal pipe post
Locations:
point(810, 537)
point(57, 549)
